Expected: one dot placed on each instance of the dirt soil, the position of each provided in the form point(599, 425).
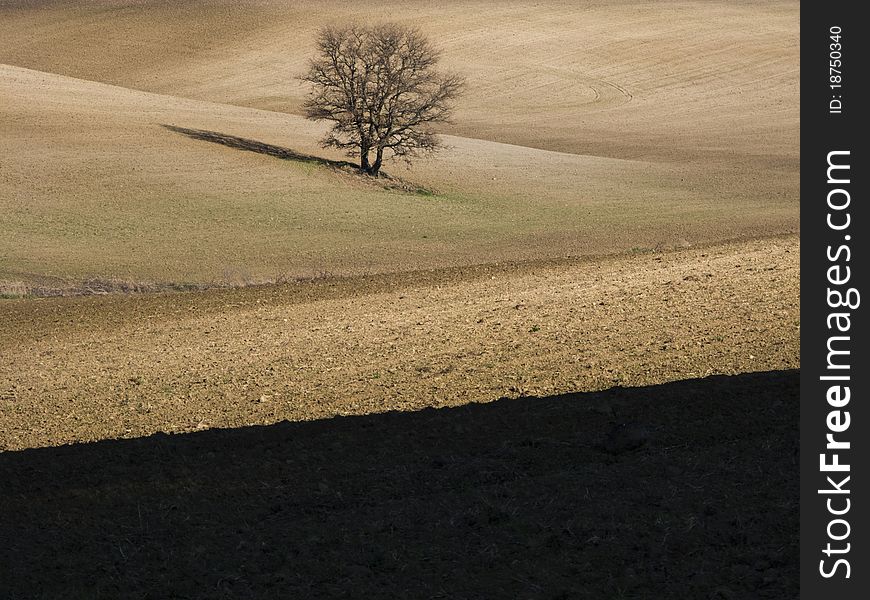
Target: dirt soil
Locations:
point(563, 363)
point(91, 368)
point(94, 189)
point(510, 499)
point(619, 78)
point(587, 128)
point(475, 461)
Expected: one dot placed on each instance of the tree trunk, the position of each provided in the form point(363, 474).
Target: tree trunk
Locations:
point(364, 160)
point(376, 166)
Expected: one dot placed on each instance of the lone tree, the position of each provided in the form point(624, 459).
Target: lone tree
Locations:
point(380, 88)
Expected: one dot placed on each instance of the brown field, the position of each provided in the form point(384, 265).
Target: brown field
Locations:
point(611, 235)
point(506, 490)
point(587, 130)
point(82, 369)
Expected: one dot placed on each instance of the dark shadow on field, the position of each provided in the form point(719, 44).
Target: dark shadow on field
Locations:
point(510, 499)
point(250, 145)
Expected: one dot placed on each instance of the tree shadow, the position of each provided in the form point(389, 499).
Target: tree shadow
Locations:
point(510, 499)
point(250, 145)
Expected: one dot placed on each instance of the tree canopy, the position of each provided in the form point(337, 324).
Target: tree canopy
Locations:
point(380, 88)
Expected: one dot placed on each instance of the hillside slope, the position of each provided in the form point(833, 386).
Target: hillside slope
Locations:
point(103, 182)
point(663, 80)
point(82, 369)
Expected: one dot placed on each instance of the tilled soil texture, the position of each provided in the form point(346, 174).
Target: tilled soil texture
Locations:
point(92, 368)
point(509, 499)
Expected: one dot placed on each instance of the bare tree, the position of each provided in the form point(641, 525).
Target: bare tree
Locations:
point(380, 88)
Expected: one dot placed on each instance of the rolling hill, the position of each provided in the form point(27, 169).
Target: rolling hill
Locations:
point(588, 129)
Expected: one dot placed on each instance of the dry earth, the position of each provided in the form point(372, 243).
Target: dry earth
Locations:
point(601, 77)
point(92, 368)
point(504, 500)
point(425, 408)
point(588, 128)
point(510, 488)
point(94, 187)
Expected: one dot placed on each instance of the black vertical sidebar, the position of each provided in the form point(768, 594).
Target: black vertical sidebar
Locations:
point(835, 368)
